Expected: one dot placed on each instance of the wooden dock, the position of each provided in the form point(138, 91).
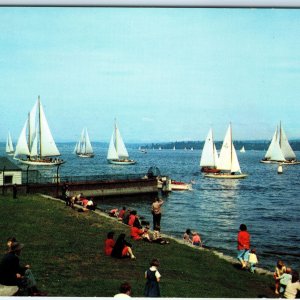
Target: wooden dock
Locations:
point(92, 188)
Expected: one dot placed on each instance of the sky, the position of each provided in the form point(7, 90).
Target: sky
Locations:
point(165, 74)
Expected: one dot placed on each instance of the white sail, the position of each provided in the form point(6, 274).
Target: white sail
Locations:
point(119, 144)
point(228, 160)
point(112, 153)
point(9, 145)
point(209, 154)
point(88, 145)
point(47, 144)
point(22, 146)
point(285, 146)
point(272, 145)
point(32, 127)
point(34, 148)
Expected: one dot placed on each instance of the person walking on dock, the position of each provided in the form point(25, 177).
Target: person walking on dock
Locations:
point(156, 212)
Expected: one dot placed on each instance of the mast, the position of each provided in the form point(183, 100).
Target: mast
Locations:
point(280, 135)
point(230, 145)
point(116, 142)
point(40, 126)
point(28, 124)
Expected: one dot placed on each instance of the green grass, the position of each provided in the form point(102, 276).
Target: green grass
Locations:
point(65, 250)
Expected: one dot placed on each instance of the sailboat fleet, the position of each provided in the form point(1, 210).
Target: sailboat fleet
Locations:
point(36, 146)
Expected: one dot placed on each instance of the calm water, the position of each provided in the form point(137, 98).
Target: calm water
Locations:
point(266, 202)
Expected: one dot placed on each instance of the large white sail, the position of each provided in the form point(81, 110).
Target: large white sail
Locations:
point(22, 146)
point(272, 145)
point(285, 146)
point(32, 128)
point(47, 144)
point(120, 146)
point(209, 154)
point(88, 145)
point(112, 153)
point(228, 160)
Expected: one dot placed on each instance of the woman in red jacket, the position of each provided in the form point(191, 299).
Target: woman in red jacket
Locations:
point(243, 240)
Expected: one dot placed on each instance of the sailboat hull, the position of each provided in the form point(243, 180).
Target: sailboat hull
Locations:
point(280, 162)
point(121, 161)
point(40, 162)
point(210, 170)
point(226, 176)
point(86, 155)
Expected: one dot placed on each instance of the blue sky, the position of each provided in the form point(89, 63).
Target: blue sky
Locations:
point(166, 74)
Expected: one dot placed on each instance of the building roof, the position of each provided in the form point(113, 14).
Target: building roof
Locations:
point(8, 165)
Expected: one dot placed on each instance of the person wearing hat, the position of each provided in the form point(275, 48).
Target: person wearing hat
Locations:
point(12, 274)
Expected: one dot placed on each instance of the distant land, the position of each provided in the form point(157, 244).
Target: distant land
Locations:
point(188, 145)
point(197, 145)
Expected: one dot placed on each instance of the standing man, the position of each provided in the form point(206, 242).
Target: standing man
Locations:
point(15, 191)
point(156, 212)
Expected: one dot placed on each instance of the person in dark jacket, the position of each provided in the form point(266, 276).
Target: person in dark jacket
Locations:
point(13, 274)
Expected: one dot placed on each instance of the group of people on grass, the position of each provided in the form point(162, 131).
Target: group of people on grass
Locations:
point(16, 280)
point(80, 199)
point(286, 280)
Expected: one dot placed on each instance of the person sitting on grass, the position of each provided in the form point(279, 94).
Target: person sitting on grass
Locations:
point(285, 278)
point(187, 236)
point(122, 248)
point(122, 213)
point(293, 287)
point(12, 274)
point(157, 238)
point(109, 243)
point(135, 231)
point(196, 240)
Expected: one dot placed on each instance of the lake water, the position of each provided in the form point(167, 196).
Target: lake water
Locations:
point(266, 202)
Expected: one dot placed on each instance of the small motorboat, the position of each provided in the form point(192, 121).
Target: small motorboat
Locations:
point(180, 186)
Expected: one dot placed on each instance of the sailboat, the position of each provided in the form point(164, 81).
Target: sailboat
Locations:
point(280, 150)
point(9, 149)
point(117, 152)
point(243, 150)
point(228, 162)
point(209, 156)
point(38, 146)
point(84, 147)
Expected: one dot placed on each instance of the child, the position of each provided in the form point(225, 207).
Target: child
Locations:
point(253, 260)
point(187, 236)
point(279, 270)
point(196, 240)
point(285, 278)
point(153, 277)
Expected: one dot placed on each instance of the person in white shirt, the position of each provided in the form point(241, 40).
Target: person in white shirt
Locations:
point(125, 291)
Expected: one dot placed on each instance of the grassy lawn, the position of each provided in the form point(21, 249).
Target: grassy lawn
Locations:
point(65, 250)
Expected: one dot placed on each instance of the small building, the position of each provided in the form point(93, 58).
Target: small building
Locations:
point(10, 173)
